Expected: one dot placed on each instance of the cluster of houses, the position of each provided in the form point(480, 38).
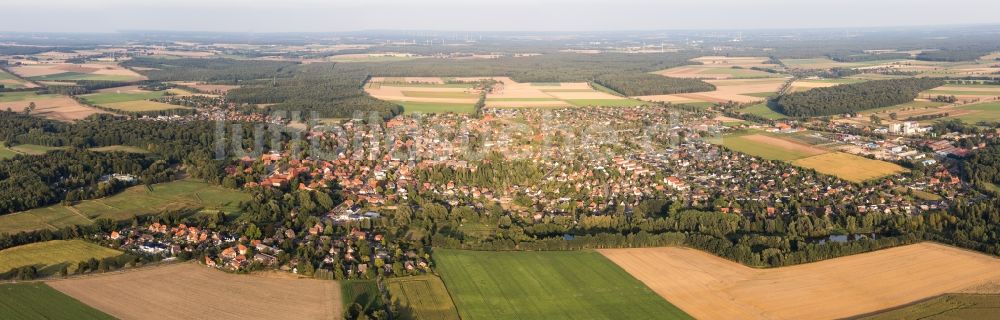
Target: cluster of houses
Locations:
point(593, 158)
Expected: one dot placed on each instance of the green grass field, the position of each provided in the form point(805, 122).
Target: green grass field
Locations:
point(133, 201)
point(129, 149)
point(520, 99)
point(53, 254)
point(742, 144)
point(435, 94)
point(989, 112)
point(606, 102)
point(478, 230)
point(423, 297)
point(22, 96)
point(35, 300)
point(6, 153)
point(546, 285)
point(849, 167)
point(599, 87)
point(142, 105)
point(961, 93)
point(32, 149)
point(761, 109)
point(950, 306)
point(74, 76)
point(741, 73)
point(434, 107)
point(108, 98)
point(11, 81)
point(761, 94)
point(6, 76)
point(826, 63)
point(363, 292)
point(700, 105)
point(908, 105)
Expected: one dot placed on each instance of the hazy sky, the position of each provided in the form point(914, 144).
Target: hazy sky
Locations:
point(480, 15)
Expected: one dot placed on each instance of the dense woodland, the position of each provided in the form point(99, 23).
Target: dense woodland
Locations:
point(228, 71)
point(966, 53)
point(74, 173)
point(983, 167)
point(645, 84)
point(335, 90)
point(860, 57)
point(850, 98)
point(326, 88)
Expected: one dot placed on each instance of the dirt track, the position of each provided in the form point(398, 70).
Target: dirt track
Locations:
point(192, 291)
point(709, 287)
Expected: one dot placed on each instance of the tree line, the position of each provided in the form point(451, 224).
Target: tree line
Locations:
point(850, 98)
point(644, 84)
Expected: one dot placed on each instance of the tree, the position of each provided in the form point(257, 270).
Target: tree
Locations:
point(252, 232)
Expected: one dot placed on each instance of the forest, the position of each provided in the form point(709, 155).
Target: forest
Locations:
point(983, 167)
point(850, 98)
point(646, 84)
point(556, 67)
point(328, 89)
point(226, 71)
point(861, 57)
point(965, 53)
point(74, 172)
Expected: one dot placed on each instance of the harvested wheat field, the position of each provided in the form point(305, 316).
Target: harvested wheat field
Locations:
point(192, 291)
point(709, 287)
point(70, 72)
point(55, 107)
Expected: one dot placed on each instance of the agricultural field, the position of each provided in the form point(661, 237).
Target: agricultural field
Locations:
point(826, 63)
point(130, 101)
point(191, 291)
point(52, 106)
point(363, 292)
point(436, 94)
point(949, 306)
point(38, 301)
point(807, 84)
point(75, 72)
point(437, 107)
point(206, 87)
point(736, 90)
point(423, 297)
point(546, 285)
point(715, 67)
point(133, 201)
point(761, 109)
point(10, 81)
point(797, 150)
point(975, 113)
point(53, 254)
point(965, 93)
point(373, 57)
point(708, 287)
point(771, 148)
point(848, 166)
